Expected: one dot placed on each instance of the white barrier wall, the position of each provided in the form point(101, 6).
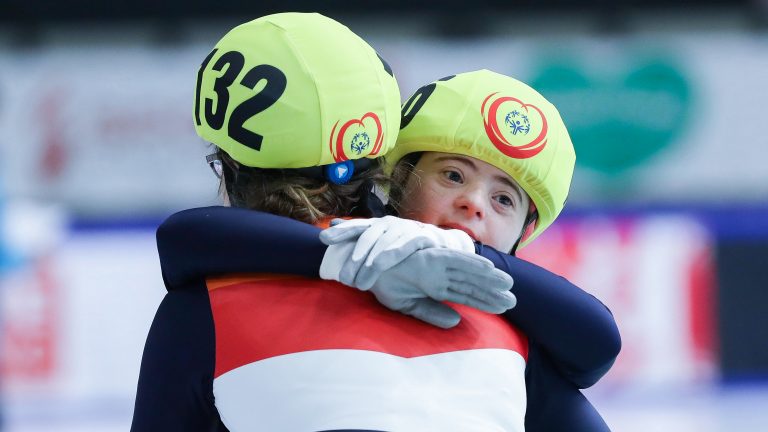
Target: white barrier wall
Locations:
point(76, 318)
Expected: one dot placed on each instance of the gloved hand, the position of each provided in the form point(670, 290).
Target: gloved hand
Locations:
point(419, 284)
point(381, 243)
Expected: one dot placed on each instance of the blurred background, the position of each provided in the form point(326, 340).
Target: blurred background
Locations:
point(667, 221)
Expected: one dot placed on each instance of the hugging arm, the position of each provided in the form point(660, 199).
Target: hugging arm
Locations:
point(554, 403)
point(175, 389)
point(197, 243)
point(209, 241)
point(573, 327)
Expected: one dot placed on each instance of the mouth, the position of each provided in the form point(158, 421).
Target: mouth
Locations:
point(459, 227)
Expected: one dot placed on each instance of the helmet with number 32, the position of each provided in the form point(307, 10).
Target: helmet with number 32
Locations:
point(294, 90)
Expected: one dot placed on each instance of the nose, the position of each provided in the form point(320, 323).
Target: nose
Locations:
point(470, 202)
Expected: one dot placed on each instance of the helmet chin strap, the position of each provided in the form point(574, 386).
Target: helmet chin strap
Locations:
point(528, 228)
point(229, 177)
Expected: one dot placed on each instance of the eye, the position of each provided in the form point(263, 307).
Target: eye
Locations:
point(453, 176)
point(505, 200)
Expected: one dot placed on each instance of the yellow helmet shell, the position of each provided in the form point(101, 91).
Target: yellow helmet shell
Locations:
point(501, 121)
point(294, 90)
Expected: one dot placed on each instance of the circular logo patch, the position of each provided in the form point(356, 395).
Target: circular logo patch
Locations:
point(357, 138)
point(517, 129)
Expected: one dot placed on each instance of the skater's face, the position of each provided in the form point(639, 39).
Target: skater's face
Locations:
point(461, 192)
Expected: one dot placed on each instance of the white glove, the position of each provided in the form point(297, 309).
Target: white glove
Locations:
point(419, 284)
point(381, 244)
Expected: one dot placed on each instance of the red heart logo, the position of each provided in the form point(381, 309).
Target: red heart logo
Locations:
point(520, 120)
point(356, 140)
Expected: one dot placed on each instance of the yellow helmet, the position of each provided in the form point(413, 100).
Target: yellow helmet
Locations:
point(501, 121)
point(295, 90)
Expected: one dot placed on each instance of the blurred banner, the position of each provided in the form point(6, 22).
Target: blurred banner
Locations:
point(104, 132)
point(656, 274)
point(76, 313)
point(663, 118)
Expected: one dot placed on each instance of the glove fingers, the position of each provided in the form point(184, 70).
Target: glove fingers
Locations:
point(492, 288)
point(467, 270)
point(497, 304)
point(383, 258)
point(346, 230)
point(457, 260)
point(493, 280)
point(364, 243)
point(403, 238)
point(363, 246)
point(433, 312)
point(349, 267)
point(386, 240)
point(505, 299)
point(483, 294)
point(379, 260)
point(367, 241)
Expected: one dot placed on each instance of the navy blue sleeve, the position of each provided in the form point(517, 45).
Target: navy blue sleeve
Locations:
point(210, 241)
point(574, 328)
point(554, 403)
point(175, 390)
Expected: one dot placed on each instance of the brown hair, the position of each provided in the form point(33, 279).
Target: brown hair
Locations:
point(405, 168)
point(290, 193)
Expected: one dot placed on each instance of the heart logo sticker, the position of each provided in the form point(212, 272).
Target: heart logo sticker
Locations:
point(619, 118)
point(357, 137)
point(517, 129)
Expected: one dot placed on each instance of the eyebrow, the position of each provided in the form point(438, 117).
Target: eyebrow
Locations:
point(512, 185)
point(456, 159)
point(471, 164)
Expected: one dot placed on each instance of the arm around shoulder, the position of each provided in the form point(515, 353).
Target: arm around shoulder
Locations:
point(209, 241)
point(577, 331)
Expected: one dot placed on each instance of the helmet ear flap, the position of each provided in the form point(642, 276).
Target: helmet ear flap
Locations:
point(530, 223)
point(234, 178)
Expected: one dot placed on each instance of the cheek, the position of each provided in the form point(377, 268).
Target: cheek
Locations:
point(505, 232)
point(501, 237)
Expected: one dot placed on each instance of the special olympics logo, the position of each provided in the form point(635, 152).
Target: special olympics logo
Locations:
point(354, 136)
point(517, 123)
point(520, 119)
point(360, 142)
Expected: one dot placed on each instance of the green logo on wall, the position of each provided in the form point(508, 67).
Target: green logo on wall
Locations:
point(618, 122)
